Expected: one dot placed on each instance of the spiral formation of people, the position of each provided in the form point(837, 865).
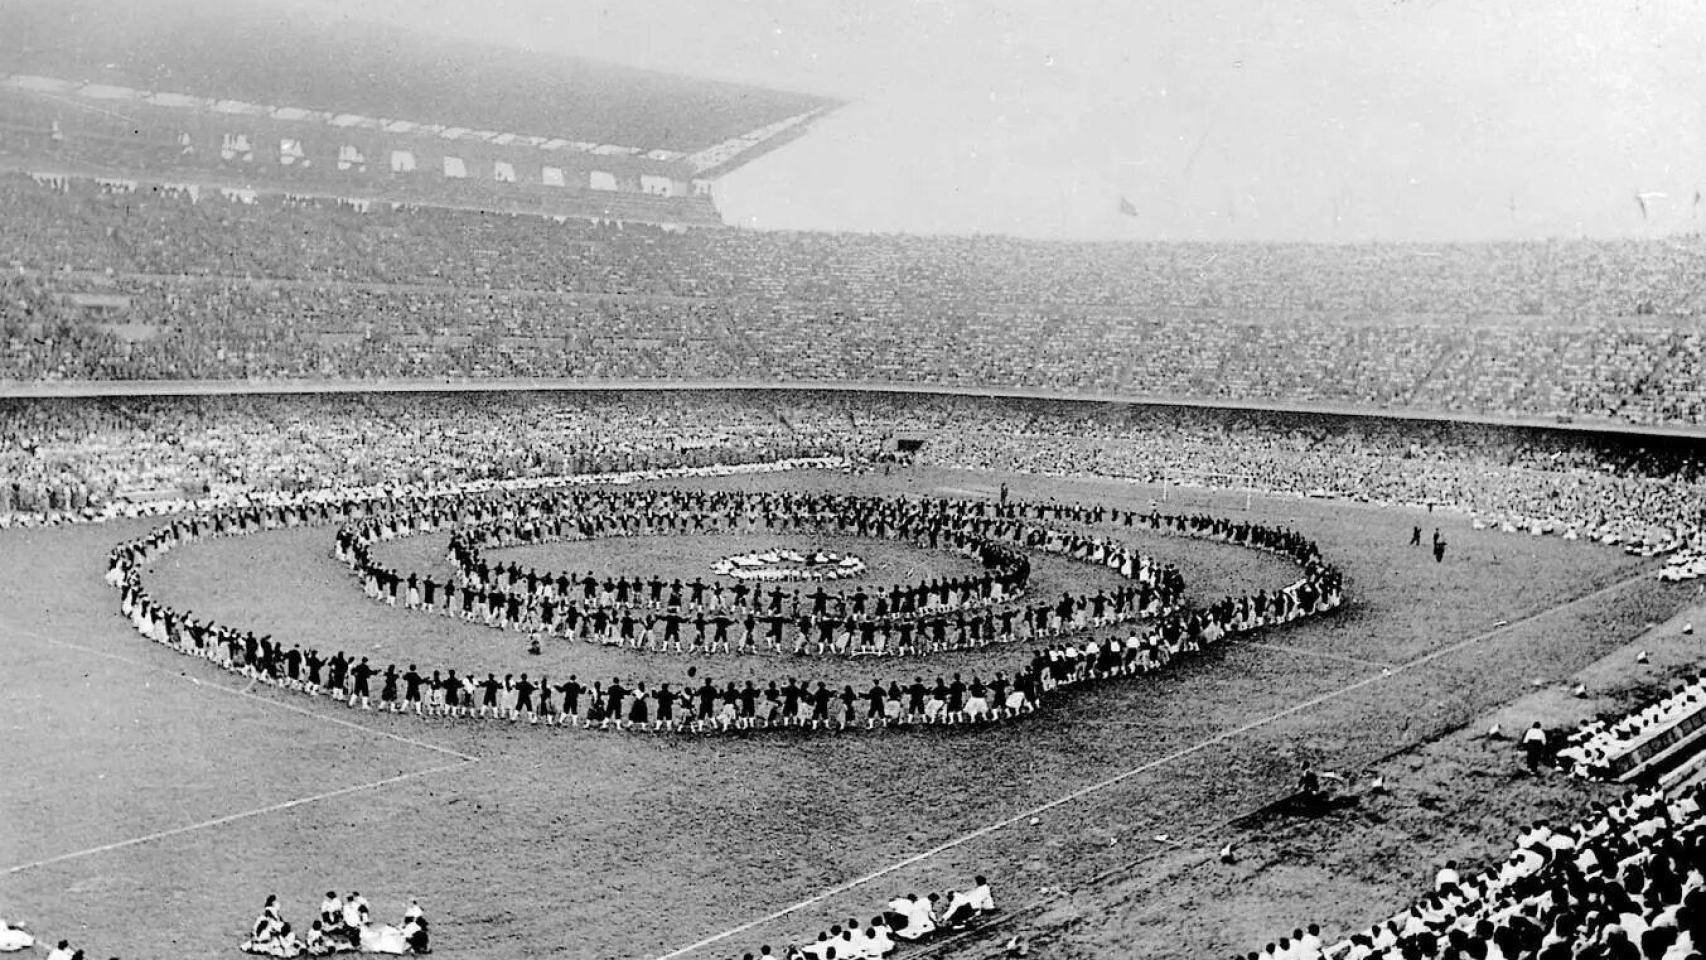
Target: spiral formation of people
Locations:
point(1139, 626)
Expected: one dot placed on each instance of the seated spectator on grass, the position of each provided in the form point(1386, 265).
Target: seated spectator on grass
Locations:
point(964, 906)
point(14, 938)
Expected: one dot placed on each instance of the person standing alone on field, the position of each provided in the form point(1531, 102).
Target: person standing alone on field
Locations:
point(1309, 789)
point(1534, 746)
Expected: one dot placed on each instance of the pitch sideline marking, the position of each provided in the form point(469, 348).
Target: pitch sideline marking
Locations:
point(245, 694)
point(233, 817)
point(1119, 778)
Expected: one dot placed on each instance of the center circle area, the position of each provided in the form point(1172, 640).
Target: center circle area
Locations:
point(784, 565)
point(696, 556)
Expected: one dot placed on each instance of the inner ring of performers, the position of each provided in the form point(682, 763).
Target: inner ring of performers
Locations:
point(907, 619)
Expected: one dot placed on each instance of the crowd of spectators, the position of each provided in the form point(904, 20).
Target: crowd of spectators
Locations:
point(98, 457)
point(91, 458)
point(1648, 494)
point(1626, 883)
point(278, 287)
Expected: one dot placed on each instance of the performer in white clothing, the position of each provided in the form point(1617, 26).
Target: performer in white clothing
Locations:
point(14, 938)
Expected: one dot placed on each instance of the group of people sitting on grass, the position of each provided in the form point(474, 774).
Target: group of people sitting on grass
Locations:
point(1065, 661)
point(1591, 750)
point(14, 939)
point(1626, 883)
point(1689, 564)
point(345, 925)
point(908, 918)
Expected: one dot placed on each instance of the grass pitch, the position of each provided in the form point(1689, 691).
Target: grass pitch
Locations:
point(152, 802)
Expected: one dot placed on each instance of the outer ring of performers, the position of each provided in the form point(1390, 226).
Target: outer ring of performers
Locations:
point(1179, 633)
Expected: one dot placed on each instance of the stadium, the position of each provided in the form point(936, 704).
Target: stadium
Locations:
point(1131, 598)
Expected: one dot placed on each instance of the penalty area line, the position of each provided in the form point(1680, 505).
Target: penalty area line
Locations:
point(234, 817)
point(1115, 780)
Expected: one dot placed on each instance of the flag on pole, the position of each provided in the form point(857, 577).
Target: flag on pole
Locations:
point(1126, 208)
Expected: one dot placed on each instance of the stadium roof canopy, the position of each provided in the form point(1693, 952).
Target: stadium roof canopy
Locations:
point(372, 70)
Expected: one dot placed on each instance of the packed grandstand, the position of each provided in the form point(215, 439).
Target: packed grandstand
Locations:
point(133, 280)
point(403, 311)
point(73, 460)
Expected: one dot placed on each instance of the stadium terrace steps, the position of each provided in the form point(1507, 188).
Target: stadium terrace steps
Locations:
point(1662, 750)
point(693, 211)
point(348, 67)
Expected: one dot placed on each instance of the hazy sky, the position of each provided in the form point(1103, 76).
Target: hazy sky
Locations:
point(1327, 120)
